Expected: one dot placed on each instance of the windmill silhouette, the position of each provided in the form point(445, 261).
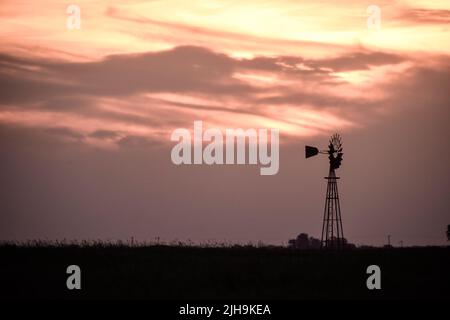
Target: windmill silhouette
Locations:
point(332, 231)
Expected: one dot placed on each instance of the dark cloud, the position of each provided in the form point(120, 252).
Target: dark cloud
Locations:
point(64, 132)
point(57, 86)
point(136, 141)
point(183, 69)
point(79, 88)
point(358, 61)
point(104, 134)
point(428, 16)
point(180, 70)
point(319, 101)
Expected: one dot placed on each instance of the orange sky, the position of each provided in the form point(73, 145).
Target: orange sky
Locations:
point(318, 36)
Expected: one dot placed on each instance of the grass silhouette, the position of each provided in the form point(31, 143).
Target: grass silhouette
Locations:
point(127, 270)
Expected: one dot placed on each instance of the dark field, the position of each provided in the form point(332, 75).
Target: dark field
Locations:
point(177, 272)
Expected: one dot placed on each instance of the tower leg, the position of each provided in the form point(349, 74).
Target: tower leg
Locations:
point(332, 231)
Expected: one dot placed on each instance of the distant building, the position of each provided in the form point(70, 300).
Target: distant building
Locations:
point(304, 242)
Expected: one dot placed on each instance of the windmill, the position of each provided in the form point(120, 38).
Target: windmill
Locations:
point(332, 232)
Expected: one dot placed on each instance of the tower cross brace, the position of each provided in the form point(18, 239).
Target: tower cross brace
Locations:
point(332, 231)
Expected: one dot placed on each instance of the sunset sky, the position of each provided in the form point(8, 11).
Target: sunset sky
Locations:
point(86, 117)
